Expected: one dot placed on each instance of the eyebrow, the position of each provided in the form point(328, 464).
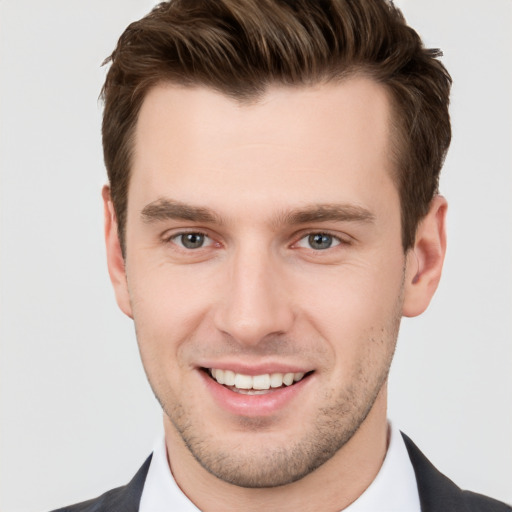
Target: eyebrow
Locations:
point(170, 209)
point(326, 213)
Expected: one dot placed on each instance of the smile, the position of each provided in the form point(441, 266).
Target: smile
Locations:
point(251, 393)
point(254, 384)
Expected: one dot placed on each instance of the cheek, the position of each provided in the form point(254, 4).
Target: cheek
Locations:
point(355, 308)
point(169, 294)
point(351, 291)
point(169, 306)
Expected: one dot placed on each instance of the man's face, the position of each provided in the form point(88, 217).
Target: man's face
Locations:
point(263, 245)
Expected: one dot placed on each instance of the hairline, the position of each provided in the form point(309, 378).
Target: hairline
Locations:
point(396, 136)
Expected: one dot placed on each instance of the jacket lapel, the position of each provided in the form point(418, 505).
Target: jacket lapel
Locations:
point(126, 498)
point(437, 492)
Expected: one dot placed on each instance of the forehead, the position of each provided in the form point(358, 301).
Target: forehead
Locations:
point(302, 143)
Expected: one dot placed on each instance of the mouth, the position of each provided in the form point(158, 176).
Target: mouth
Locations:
point(255, 384)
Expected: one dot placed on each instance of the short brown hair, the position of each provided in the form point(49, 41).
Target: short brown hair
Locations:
point(240, 47)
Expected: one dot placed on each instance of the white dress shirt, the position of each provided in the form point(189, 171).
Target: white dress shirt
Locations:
point(393, 490)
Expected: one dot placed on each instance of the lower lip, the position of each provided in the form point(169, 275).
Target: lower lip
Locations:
point(253, 405)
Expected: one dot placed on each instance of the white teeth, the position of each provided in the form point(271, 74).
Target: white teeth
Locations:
point(219, 376)
point(261, 381)
point(243, 381)
point(256, 382)
point(276, 380)
point(288, 379)
point(229, 378)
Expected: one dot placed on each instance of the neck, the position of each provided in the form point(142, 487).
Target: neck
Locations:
point(336, 484)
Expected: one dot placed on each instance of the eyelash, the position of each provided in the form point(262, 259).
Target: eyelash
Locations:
point(336, 240)
point(172, 239)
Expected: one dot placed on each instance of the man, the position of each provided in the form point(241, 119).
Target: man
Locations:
point(272, 212)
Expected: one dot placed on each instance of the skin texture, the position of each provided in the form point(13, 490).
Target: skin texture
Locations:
point(256, 180)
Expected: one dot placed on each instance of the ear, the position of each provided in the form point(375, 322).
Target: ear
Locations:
point(115, 260)
point(425, 259)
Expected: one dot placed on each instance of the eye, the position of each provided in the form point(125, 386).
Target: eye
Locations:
point(191, 240)
point(319, 241)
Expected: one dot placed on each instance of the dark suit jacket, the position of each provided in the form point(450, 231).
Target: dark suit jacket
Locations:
point(437, 492)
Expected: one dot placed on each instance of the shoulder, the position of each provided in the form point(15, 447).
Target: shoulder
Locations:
point(105, 502)
point(479, 503)
point(438, 492)
point(120, 499)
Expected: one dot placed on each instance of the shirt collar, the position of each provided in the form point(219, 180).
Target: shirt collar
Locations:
point(161, 492)
point(393, 490)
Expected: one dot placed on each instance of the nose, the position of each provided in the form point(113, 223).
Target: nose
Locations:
point(255, 301)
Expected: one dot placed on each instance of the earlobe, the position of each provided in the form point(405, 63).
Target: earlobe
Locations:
point(115, 259)
point(425, 259)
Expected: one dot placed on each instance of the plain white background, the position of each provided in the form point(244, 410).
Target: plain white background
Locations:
point(77, 416)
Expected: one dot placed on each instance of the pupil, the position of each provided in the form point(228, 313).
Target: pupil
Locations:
point(192, 240)
point(320, 241)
